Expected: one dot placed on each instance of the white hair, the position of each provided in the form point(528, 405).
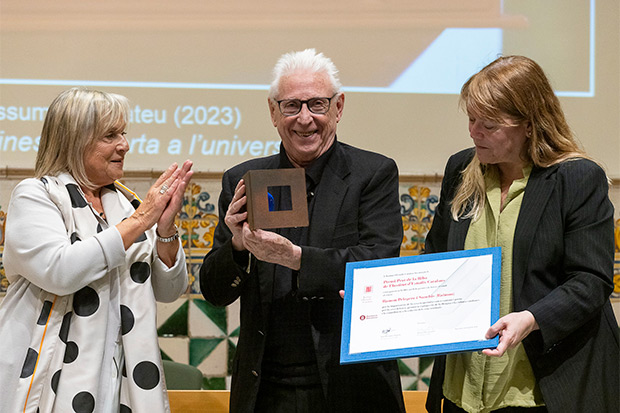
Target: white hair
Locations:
point(306, 60)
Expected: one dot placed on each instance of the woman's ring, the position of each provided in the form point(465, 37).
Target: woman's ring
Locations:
point(163, 189)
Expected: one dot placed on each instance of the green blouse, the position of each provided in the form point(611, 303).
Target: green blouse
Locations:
point(473, 381)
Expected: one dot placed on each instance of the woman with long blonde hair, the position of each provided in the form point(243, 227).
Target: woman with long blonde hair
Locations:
point(528, 187)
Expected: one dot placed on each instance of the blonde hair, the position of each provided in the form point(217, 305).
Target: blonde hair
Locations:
point(513, 90)
point(74, 120)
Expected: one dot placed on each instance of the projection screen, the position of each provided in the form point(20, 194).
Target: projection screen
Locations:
point(197, 72)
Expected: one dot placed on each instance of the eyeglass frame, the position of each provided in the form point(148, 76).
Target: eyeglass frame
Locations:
point(302, 102)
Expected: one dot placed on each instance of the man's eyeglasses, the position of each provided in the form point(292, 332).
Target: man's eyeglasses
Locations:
point(318, 106)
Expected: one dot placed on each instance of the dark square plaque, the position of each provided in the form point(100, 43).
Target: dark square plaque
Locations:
point(261, 205)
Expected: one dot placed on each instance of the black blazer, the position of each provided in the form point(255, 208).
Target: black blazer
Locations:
point(562, 273)
point(356, 216)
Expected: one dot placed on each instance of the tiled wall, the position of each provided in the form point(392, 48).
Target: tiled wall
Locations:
point(194, 332)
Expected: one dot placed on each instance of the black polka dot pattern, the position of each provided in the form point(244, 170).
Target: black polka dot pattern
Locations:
point(85, 302)
point(74, 237)
point(140, 272)
point(83, 402)
point(127, 319)
point(45, 313)
point(29, 364)
point(63, 365)
point(71, 352)
point(146, 375)
point(64, 327)
point(77, 200)
point(55, 379)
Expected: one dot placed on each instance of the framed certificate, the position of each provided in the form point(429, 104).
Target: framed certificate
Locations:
point(420, 305)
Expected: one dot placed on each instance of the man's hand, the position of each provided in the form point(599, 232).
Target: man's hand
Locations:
point(270, 247)
point(236, 216)
point(512, 329)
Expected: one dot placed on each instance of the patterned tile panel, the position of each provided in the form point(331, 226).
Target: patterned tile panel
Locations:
point(418, 203)
point(173, 318)
point(194, 332)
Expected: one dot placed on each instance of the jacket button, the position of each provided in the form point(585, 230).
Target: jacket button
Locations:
point(261, 332)
point(255, 373)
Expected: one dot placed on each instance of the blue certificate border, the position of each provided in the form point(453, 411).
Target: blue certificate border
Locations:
point(346, 357)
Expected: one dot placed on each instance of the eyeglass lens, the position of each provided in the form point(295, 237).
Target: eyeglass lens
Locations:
point(318, 106)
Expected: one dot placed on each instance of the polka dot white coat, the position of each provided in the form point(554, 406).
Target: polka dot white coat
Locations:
point(75, 298)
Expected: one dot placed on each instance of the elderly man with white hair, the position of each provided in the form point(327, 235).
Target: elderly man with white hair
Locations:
point(288, 280)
